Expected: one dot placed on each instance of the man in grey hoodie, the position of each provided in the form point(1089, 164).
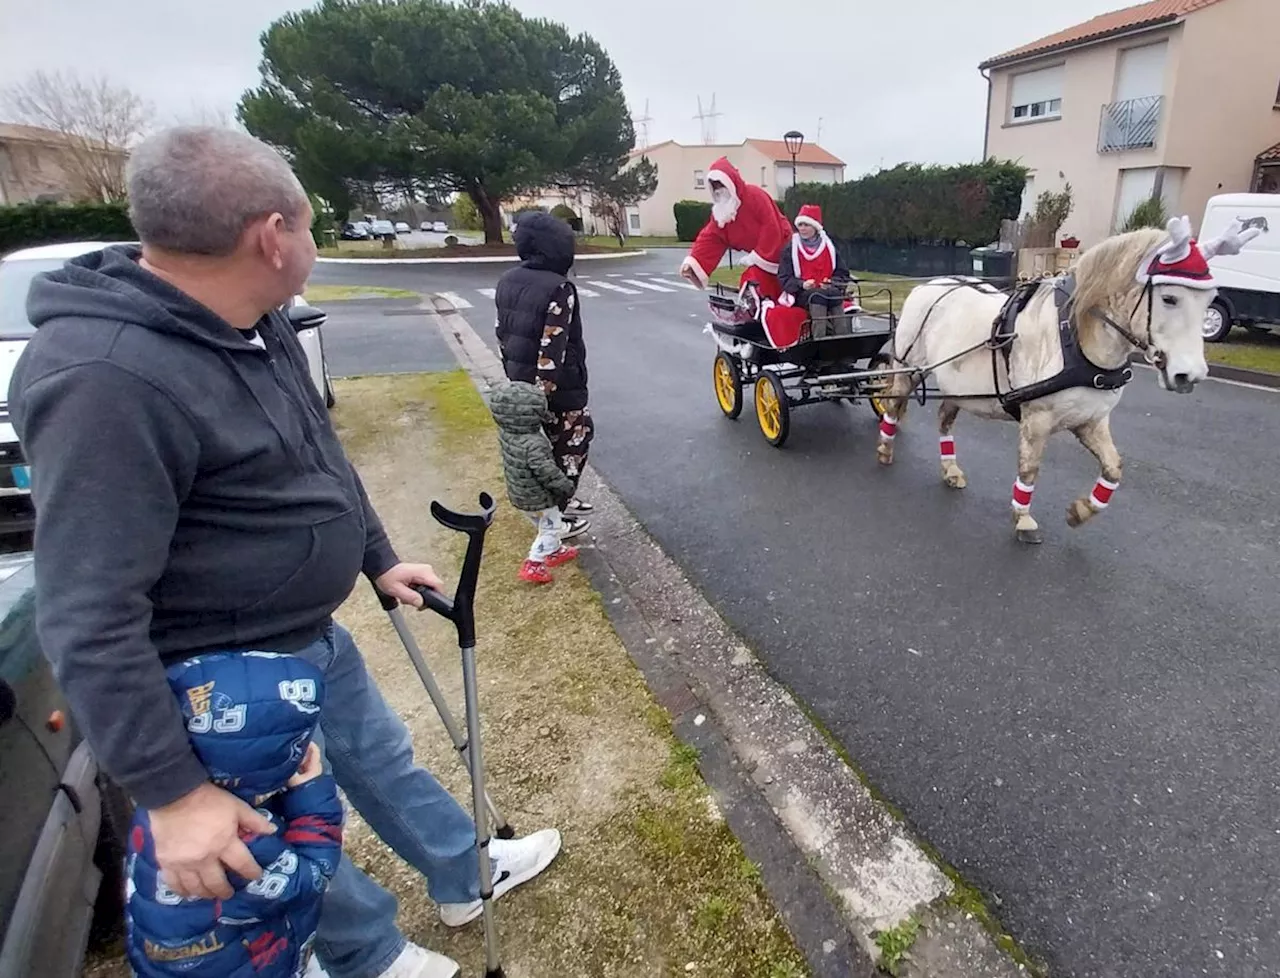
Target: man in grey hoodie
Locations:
point(191, 495)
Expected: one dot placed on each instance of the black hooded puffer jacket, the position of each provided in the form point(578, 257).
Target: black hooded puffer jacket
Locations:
point(545, 246)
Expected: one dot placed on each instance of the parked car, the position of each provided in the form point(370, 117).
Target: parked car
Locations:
point(425, 226)
point(64, 823)
point(440, 227)
point(402, 227)
point(1248, 283)
point(384, 229)
point(353, 232)
point(16, 272)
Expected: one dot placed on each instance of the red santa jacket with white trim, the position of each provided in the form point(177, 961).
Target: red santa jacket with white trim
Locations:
point(758, 228)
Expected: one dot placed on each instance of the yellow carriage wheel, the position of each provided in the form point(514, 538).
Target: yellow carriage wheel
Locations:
point(773, 410)
point(728, 383)
point(877, 399)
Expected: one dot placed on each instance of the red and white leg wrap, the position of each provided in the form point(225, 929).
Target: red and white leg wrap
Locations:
point(1022, 496)
point(888, 427)
point(947, 448)
point(1103, 490)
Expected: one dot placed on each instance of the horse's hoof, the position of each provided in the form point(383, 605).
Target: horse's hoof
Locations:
point(883, 457)
point(1078, 513)
point(956, 481)
point(1030, 536)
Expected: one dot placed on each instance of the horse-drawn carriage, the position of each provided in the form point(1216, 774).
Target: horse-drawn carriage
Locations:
point(839, 357)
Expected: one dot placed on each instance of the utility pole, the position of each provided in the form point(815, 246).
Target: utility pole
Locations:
point(708, 120)
point(642, 121)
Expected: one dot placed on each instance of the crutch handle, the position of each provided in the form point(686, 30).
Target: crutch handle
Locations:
point(431, 598)
point(461, 608)
point(437, 602)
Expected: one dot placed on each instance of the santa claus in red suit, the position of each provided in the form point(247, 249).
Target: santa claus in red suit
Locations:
point(745, 218)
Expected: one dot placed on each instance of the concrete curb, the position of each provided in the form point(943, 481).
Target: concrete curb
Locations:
point(480, 260)
point(1242, 375)
point(762, 753)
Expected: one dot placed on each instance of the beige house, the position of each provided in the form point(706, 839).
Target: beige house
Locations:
point(35, 165)
point(1175, 98)
point(682, 172)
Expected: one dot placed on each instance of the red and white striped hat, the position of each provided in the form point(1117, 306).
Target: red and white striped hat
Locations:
point(810, 214)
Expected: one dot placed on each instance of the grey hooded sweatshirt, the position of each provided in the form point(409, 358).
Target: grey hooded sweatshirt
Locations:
point(190, 495)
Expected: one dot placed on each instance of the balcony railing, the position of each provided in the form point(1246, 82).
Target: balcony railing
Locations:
point(1131, 124)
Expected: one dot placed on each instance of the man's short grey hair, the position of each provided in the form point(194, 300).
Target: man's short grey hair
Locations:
point(194, 189)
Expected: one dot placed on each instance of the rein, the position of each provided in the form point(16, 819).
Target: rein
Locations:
point(1143, 345)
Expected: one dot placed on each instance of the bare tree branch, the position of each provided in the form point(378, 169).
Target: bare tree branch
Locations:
point(99, 123)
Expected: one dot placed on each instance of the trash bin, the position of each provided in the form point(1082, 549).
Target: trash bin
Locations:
point(994, 264)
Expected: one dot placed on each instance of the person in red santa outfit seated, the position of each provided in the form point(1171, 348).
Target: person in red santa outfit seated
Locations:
point(811, 270)
point(745, 218)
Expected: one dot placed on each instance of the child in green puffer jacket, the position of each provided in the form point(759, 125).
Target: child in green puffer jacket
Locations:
point(535, 483)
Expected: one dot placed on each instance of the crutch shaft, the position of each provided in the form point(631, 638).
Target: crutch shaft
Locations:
point(460, 743)
point(493, 967)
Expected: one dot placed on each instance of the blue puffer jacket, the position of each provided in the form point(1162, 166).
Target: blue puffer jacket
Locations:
point(250, 717)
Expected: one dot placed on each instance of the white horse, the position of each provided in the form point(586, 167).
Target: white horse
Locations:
point(1144, 291)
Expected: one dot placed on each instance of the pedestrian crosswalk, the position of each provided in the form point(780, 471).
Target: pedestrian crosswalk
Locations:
point(611, 285)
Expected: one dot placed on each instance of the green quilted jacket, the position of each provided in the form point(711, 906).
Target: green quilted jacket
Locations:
point(534, 481)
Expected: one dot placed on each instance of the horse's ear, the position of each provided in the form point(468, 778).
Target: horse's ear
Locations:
point(1230, 241)
point(1178, 245)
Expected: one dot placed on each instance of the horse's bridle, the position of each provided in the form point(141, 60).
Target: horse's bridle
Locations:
point(1151, 355)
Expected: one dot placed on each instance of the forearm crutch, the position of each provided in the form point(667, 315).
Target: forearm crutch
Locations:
point(392, 607)
point(461, 611)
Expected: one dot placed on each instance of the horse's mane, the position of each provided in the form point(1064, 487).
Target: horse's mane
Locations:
point(1106, 278)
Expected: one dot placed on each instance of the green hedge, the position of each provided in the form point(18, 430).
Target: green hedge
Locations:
point(691, 217)
point(911, 203)
point(26, 225)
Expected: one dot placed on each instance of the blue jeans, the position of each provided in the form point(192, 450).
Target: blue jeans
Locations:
point(368, 749)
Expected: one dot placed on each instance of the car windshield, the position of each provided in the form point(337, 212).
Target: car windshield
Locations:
point(15, 281)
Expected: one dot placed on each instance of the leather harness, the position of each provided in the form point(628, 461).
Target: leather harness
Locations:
point(1077, 369)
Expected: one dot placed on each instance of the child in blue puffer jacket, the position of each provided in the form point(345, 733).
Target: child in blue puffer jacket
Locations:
point(251, 717)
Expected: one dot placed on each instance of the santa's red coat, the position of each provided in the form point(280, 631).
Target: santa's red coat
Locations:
point(760, 230)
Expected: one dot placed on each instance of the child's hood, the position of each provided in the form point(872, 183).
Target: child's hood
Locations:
point(519, 408)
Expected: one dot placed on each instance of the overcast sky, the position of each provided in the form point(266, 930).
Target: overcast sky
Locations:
point(891, 80)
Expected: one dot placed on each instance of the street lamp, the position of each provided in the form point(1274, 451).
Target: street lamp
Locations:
point(794, 141)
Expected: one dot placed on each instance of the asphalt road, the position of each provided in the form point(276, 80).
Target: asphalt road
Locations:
point(1087, 730)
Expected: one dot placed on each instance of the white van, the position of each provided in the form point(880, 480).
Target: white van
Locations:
point(1248, 283)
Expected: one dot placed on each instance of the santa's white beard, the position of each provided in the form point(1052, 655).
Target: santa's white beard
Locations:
point(724, 207)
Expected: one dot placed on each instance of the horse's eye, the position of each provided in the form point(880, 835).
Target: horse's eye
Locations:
point(1170, 300)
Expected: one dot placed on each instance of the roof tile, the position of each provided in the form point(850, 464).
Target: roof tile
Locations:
point(1143, 14)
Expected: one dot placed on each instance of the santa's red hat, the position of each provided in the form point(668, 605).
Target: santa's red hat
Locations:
point(810, 214)
point(1180, 260)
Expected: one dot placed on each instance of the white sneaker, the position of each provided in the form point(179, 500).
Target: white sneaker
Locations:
point(515, 861)
point(418, 962)
point(412, 962)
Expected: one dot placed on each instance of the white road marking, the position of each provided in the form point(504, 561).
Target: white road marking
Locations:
point(488, 293)
point(651, 286)
point(681, 284)
point(455, 300)
point(615, 288)
point(589, 293)
point(1221, 380)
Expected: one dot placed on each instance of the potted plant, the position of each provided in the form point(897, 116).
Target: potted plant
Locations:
point(1070, 241)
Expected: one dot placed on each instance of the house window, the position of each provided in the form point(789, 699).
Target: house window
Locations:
point(764, 170)
point(699, 179)
point(633, 221)
point(1036, 95)
point(1278, 98)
